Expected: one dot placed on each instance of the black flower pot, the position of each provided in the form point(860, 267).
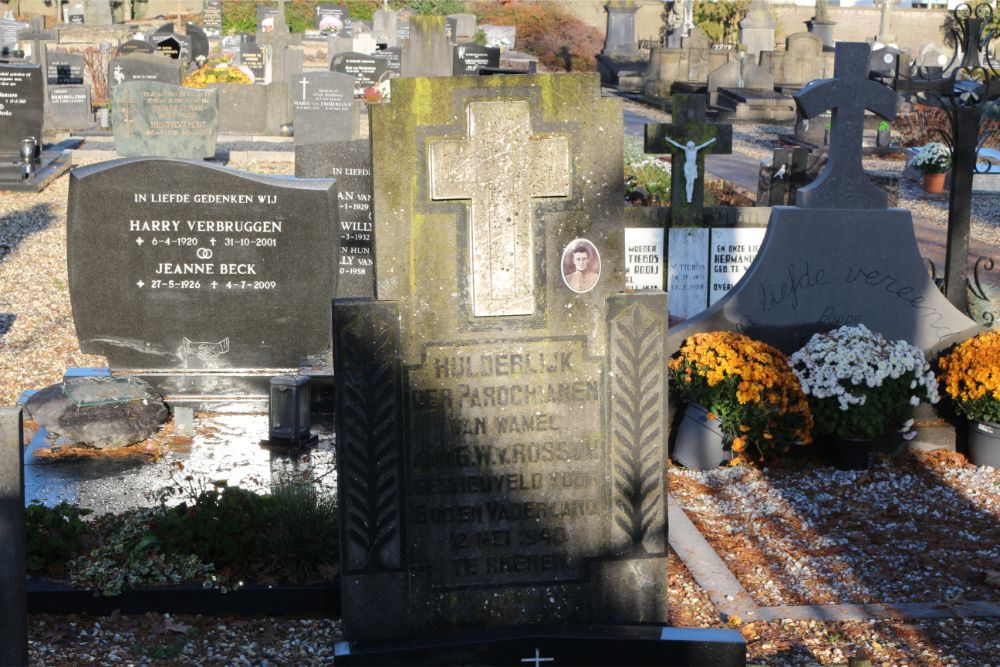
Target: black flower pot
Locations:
point(700, 442)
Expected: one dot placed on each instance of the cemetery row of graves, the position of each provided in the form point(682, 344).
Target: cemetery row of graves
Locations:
point(462, 360)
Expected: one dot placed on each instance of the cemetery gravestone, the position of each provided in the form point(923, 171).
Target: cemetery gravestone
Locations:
point(135, 46)
point(757, 29)
point(463, 27)
point(368, 71)
point(10, 35)
point(331, 18)
point(811, 274)
point(76, 15)
point(21, 93)
point(323, 107)
point(212, 18)
point(385, 27)
point(402, 30)
point(69, 107)
point(169, 46)
point(266, 17)
point(143, 67)
point(427, 51)
point(252, 57)
point(199, 42)
point(470, 58)
point(392, 59)
point(502, 37)
point(99, 12)
point(496, 198)
point(350, 163)
point(221, 279)
point(152, 119)
point(688, 140)
point(13, 541)
point(644, 254)
point(64, 69)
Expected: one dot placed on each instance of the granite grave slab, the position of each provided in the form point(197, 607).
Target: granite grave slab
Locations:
point(220, 278)
point(135, 46)
point(323, 108)
point(367, 71)
point(143, 67)
point(212, 18)
point(427, 50)
point(69, 108)
point(350, 163)
point(470, 58)
point(152, 119)
point(500, 333)
point(64, 68)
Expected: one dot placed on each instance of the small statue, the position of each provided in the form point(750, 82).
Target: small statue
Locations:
point(690, 164)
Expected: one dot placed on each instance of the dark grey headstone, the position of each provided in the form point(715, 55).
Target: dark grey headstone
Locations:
point(198, 40)
point(13, 541)
point(350, 163)
point(69, 107)
point(212, 18)
point(619, 40)
point(21, 91)
point(169, 46)
point(252, 56)
point(323, 107)
point(143, 67)
point(64, 68)
point(135, 46)
point(884, 61)
point(216, 272)
point(469, 58)
point(843, 183)
point(393, 59)
point(496, 336)
point(338, 17)
point(152, 119)
point(367, 71)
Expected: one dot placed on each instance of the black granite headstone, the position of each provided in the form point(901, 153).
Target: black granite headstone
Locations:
point(198, 40)
point(169, 46)
point(252, 56)
point(21, 97)
point(216, 273)
point(367, 71)
point(64, 68)
point(212, 18)
point(143, 67)
point(69, 107)
point(135, 46)
point(392, 57)
point(350, 163)
point(470, 58)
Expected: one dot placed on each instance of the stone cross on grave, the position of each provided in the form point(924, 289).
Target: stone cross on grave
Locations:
point(501, 167)
point(38, 36)
point(689, 136)
point(843, 183)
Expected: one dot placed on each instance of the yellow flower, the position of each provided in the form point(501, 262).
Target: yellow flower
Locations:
point(711, 416)
point(739, 444)
point(744, 428)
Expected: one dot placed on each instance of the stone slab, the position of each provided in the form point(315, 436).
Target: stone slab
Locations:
point(644, 253)
point(732, 252)
point(558, 645)
point(143, 67)
point(350, 163)
point(323, 108)
point(21, 91)
point(239, 281)
point(52, 165)
point(152, 119)
point(13, 541)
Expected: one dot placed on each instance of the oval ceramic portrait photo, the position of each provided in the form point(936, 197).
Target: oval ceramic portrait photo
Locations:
point(581, 265)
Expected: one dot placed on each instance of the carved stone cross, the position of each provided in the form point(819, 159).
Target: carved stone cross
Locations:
point(38, 36)
point(843, 183)
point(690, 130)
point(501, 168)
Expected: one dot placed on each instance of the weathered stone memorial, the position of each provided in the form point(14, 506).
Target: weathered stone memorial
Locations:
point(427, 50)
point(13, 541)
point(220, 279)
point(10, 35)
point(152, 119)
point(323, 108)
point(501, 406)
point(350, 163)
point(134, 46)
point(812, 273)
point(23, 163)
point(69, 108)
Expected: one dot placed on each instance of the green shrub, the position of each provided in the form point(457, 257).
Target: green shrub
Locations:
point(55, 535)
point(720, 21)
point(241, 15)
point(303, 533)
point(436, 7)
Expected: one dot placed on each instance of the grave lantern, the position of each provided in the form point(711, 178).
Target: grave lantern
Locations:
point(289, 412)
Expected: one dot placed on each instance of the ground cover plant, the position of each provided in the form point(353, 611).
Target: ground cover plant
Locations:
point(221, 537)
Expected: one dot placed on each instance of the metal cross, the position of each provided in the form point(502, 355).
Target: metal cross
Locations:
point(847, 94)
point(538, 659)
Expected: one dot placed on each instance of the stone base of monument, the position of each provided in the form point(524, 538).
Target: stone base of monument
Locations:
point(790, 139)
point(622, 73)
point(51, 165)
point(557, 645)
point(751, 104)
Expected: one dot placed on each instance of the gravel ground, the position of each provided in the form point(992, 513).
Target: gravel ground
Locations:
point(790, 536)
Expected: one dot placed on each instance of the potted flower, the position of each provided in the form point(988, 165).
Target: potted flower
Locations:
point(934, 160)
point(859, 386)
point(743, 399)
point(971, 377)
